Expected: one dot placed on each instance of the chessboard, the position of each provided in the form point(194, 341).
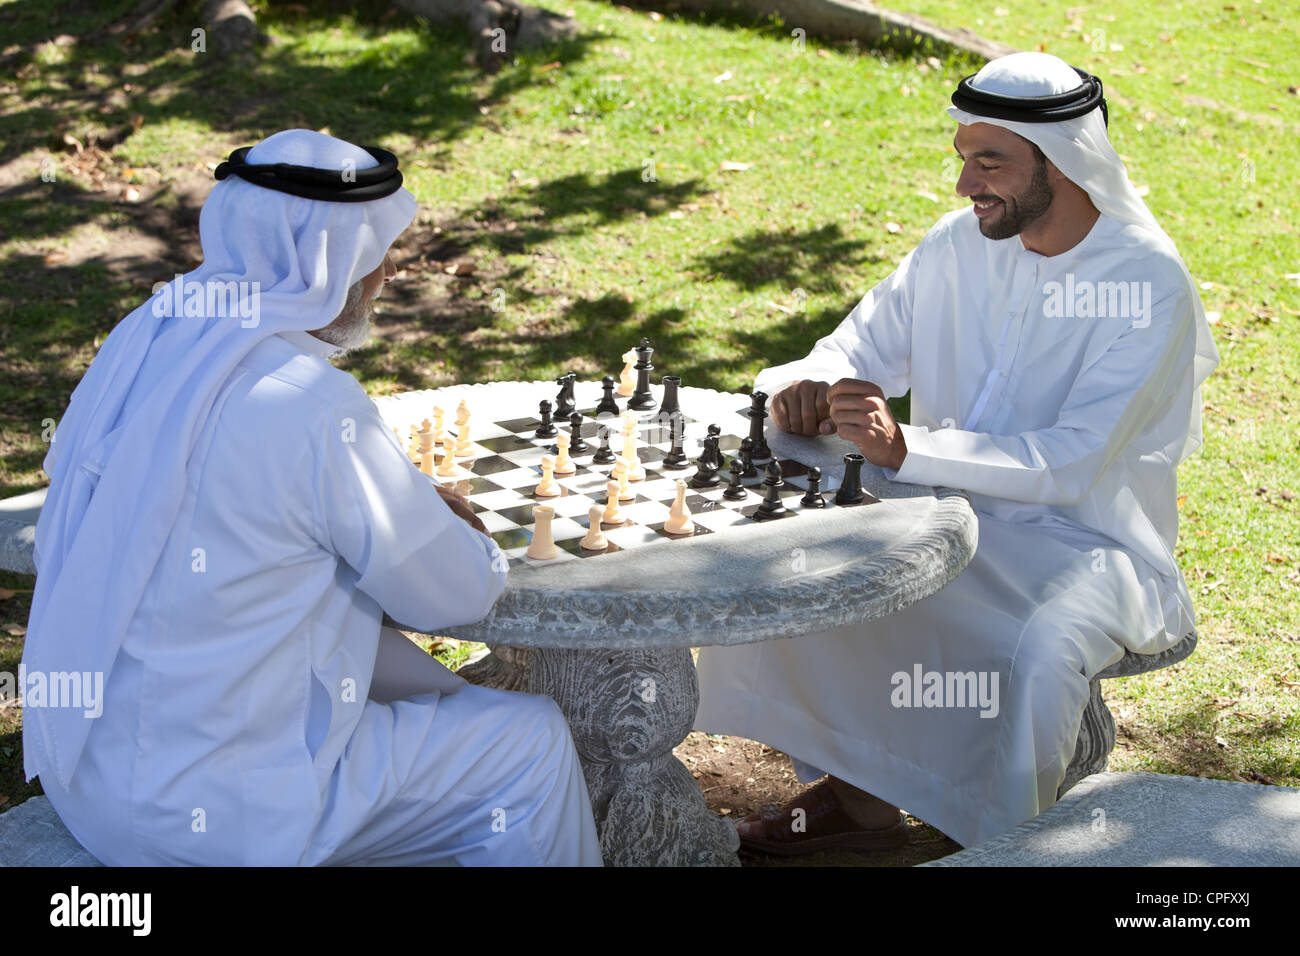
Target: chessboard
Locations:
point(502, 468)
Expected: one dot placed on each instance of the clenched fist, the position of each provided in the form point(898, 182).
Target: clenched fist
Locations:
point(802, 408)
point(859, 412)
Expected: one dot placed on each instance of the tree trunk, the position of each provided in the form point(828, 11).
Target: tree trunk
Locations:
point(497, 28)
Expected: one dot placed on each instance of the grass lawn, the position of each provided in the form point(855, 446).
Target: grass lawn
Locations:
point(713, 187)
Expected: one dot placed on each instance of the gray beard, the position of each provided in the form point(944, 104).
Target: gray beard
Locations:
point(351, 329)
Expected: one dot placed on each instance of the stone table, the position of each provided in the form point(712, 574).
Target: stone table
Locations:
point(611, 636)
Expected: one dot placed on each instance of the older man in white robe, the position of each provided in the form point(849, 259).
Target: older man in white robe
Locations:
point(1054, 345)
point(228, 519)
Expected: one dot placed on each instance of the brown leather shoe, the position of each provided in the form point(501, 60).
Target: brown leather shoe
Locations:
point(823, 825)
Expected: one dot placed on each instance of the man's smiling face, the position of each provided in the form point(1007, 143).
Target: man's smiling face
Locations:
point(1005, 177)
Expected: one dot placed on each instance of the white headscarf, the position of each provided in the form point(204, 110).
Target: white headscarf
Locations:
point(1081, 150)
point(118, 464)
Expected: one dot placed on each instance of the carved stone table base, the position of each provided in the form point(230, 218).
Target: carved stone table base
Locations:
point(627, 710)
point(502, 668)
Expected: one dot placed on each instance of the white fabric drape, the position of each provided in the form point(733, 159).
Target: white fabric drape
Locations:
point(117, 465)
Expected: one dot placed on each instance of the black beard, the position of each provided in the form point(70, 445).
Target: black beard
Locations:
point(1020, 212)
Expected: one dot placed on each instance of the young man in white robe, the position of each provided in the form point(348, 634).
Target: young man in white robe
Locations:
point(227, 522)
point(1054, 345)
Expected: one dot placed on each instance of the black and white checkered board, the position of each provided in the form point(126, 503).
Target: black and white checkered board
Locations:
point(506, 469)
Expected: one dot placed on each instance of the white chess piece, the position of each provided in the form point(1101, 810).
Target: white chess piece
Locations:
point(626, 380)
point(635, 470)
point(679, 516)
point(425, 448)
point(543, 546)
point(563, 463)
point(594, 539)
point(448, 466)
point(620, 475)
point(548, 488)
point(462, 431)
point(438, 431)
point(613, 514)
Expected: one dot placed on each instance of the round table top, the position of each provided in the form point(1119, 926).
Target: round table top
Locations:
point(753, 581)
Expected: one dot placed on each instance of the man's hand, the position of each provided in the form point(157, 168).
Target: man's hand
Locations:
point(460, 508)
point(859, 412)
point(803, 408)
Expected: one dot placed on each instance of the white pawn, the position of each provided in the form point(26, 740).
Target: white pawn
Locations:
point(548, 488)
point(563, 463)
point(626, 380)
point(613, 514)
point(594, 539)
point(543, 545)
point(448, 466)
point(635, 470)
point(679, 516)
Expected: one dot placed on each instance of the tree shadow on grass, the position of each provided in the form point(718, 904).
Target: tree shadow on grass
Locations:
point(565, 206)
point(792, 259)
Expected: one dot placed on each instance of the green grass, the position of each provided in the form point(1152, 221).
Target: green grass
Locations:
point(539, 176)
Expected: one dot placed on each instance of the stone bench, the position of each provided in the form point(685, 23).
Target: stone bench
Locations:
point(31, 834)
point(1152, 819)
point(18, 531)
point(1097, 729)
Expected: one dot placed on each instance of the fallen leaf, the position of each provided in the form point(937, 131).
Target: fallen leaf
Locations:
point(722, 77)
point(1221, 742)
point(893, 227)
point(1276, 558)
point(729, 166)
point(459, 269)
point(725, 811)
point(15, 630)
point(53, 258)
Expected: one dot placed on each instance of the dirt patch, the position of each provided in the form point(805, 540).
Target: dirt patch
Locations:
point(738, 776)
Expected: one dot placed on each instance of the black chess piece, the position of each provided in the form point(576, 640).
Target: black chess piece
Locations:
point(813, 497)
point(607, 405)
point(706, 474)
point(641, 399)
point(757, 413)
point(771, 506)
point(851, 492)
point(577, 444)
point(711, 447)
point(747, 457)
point(604, 454)
point(547, 428)
point(735, 490)
point(670, 405)
point(564, 404)
point(676, 458)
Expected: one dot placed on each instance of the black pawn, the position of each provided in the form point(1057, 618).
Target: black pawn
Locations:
point(669, 405)
point(747, 457)
point(564, 404)
point(577, 444)
point(757, 413)
point(813, 498)
point(735, 490)
point(547, 428)
point(851, 492)
point(641, 399)
point(676, 458)
point(604, 454)
point(771, 506)
point(607, 403)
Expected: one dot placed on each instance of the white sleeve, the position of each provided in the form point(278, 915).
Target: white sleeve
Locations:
point(874, 342)
point(424, 565)
point(1112, 400)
